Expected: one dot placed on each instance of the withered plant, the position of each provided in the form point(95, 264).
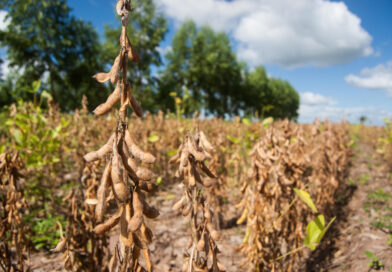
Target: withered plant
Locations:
point(285, 162)
point(123, 179)
point(202, 248)
point(83, 249)
point(13, 242)
point(278, 166)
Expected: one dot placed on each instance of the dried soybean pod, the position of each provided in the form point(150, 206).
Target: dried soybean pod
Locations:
point(213, 232)
point(61, 246)
point(207, 213)
point(179, 204)
point(185, 265)
point(184, 158)
point(118, 175)
point(110, 102)
point(149, 211)
point(145, 174)
point(199, 156)
point(147, 233)
point(126, 160)
point(102, 77)
point(206, 144)
point(132, 54)
point(113, 262)
point(135, 105)
point(137, 241)
point(116, 68)
point(137, 218)
point(221, 267)
point(147, 187)
point(146, 254)
point(191, 176)
point(243, 217)
point(110, 223)
point(119, 7)
point(206, 170)
point(102, 192)
point(100, 153)
point(136, 151)
point(186, 210)
point(201, 244)
point(208, 182)
point(125, 241)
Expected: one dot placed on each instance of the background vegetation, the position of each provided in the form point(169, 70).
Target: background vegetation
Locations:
point(44, 41)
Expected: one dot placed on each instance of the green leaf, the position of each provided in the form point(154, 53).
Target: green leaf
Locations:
point(35, 87)
point(325, 229)
point(267, 121)
point(159, 181)
point(153, 138)
point(246, 121)
point(171, 153)
point(371, 255)
point(233, 139)
point(313, 231)
point(305, 197)
point(18, 136)
point(46, 95)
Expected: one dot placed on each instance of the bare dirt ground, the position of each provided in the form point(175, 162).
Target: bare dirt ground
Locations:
point(171, 234)
point(352, 233)
point(343, 249)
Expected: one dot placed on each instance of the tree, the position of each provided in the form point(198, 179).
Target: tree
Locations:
point(284, 98)
point(203, 62)
point(270, 96)
point(45, 42)
point(147, 28)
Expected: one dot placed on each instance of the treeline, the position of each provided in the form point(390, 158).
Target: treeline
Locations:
point(44, 41)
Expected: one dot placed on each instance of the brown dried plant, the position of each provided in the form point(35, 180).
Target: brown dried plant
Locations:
point(191, 156)
point(83, 249)
point(13, 242)
point(123, 180)
point(278, 166)
point(283, 160)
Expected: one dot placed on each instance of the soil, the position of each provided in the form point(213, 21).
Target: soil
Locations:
point(352, 234)
point(343, 248)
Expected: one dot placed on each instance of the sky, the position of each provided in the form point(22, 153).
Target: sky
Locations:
point(336, 54)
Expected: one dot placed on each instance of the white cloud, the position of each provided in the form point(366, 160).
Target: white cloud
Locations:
point(309, 98)
point(376, 78)
point(286, 32)
point(307, 114)
point(5, 69)
point(164, 50)
point(3, 21)
point(315, 105)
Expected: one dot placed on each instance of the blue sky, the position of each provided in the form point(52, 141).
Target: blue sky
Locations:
point(336, 54)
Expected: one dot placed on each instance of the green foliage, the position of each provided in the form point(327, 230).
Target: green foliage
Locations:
point(386, 139)
point(202, 62)
point(29, 129)
point(44, 233)
point(375, 263)
point(273, 97)
point(364, 179)
point(52, 45)
point(305, 197)
point(33, 136)
point(315, 231)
